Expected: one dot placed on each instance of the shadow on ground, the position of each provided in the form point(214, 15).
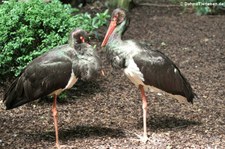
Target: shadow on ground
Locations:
point(78, 132)
point(166, 123)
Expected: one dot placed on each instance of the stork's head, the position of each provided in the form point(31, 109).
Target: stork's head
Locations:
point(77, 36)
point(78, 40)
point(118, 23)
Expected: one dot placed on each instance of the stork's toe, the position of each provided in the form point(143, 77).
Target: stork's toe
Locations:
point(141, 138)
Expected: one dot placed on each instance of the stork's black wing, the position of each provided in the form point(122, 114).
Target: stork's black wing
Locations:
point(159, 71)
point(41, 77)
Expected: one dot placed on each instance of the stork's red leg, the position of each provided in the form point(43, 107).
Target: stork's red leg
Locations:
point(55, 116)
point(144, 107)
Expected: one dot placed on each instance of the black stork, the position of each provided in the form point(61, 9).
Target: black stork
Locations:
point(53, 72)
point(146, 68)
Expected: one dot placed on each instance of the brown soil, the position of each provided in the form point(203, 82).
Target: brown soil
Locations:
point(107, 112)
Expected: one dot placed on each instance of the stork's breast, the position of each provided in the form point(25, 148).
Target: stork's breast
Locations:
point(73, 79)
point(133, 73)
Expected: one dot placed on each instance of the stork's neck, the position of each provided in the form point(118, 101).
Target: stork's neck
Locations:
point(116, 36)
point(71, 42)
point(88, 63)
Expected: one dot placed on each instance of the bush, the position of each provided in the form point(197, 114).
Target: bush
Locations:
point(28, 29)
point(209, 6)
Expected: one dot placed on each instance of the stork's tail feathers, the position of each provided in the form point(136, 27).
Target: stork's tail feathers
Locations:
point(14, 96)
point(190, 95)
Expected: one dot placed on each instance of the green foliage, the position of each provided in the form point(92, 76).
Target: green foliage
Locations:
point(125, 4)
point(62, 97)
point(28, 29)
point(208, 6)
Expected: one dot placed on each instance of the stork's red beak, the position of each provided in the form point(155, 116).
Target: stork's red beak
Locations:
point(82, 39)
point(111, 28)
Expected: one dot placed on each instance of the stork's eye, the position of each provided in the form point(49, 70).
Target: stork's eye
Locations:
point(82, 39)
point(120, 17)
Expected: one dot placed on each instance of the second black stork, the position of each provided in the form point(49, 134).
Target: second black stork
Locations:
point(146, 68)
point(53, 72)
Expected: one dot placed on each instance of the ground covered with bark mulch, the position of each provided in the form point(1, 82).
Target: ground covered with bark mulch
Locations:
point(107, 112)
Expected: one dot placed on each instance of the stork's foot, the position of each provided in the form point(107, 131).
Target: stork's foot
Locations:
point(63, 147)
point(57, 146)
point(142, 139)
